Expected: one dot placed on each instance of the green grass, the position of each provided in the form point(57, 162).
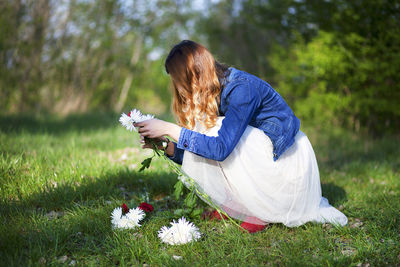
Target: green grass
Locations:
point(61, 178)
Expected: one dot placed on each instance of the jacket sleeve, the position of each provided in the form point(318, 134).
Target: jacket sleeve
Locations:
point(177, 157)
point(242, 103)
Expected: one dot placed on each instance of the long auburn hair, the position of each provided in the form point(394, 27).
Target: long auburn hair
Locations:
point(197, 80)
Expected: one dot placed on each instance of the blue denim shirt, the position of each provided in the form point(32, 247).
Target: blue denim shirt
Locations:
point(245, 100)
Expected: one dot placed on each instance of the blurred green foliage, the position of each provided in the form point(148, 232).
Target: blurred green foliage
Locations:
point(336, 62)
point(348, 77)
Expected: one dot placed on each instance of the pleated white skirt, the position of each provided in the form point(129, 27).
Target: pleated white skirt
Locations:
point(250, 186)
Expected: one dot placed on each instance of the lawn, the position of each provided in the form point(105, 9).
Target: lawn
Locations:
point(60, 178)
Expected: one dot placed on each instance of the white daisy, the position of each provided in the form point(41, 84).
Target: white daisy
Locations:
point(134, 116)
point(146, 117)
point(116, 215)
point(127, 122)
point(180, 232)
point(138, 116)
point(128, 221)
point(136, 215)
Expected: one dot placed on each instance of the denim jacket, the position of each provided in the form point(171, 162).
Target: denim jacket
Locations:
point(245, 100)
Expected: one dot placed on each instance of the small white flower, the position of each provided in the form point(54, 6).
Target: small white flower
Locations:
point(180, 232)
point(146, 117)
point(116, 215)
point(134, 116)
point(138, 116)
point(135, 215)
point(128, 221)
point(127, 122)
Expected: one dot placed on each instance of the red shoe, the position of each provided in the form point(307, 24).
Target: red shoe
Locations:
point(216, 215)
point(212, 215)
point(252, 228)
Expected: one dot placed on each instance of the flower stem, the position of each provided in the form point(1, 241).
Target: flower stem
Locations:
point(193, 186)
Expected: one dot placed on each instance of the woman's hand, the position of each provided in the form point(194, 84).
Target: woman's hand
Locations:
point(153, 128)
point(146, 142)
point(160, 143)
point(156, 128)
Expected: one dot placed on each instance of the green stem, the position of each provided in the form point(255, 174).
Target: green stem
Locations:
point(192, 183)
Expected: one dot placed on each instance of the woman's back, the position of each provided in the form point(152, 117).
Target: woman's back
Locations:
point(264, 107)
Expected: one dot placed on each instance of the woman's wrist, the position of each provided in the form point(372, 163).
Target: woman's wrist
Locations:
point(174, 131)
point(169, 149)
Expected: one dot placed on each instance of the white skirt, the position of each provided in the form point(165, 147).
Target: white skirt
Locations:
point(250, 186)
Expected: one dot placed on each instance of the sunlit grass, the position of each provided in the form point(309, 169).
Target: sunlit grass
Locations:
point(61, 178)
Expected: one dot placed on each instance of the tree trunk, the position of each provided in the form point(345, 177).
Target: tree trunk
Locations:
point(128, 80)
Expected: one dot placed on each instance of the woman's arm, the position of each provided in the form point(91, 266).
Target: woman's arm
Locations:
point(243, 101)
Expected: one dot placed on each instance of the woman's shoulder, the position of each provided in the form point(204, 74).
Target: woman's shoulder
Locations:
point(234, 82)
point(237, 74)
point(242, 79)
point(234, 78)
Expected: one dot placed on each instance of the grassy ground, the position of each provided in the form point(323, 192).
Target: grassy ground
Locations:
point(61, 178)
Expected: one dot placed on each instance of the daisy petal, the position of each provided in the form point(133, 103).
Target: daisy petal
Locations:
point(128, 221)
point(127, 122)
point(180, 232)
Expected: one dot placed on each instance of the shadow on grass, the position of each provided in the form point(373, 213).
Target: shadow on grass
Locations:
point(337, 150)
point(57, 125)
point(24, 222)
point(124, 186)
point(335, 194)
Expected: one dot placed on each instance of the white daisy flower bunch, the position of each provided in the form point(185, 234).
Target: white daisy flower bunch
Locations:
point(130, 220)
point(134, 116)
point(180, 232)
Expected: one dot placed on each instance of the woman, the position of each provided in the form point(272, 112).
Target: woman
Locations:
point(240, 141)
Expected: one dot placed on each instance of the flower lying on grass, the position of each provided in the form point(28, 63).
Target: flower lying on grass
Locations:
point(125, 209)
point(180, 232)
point(134, 116)
point(124, 218)
point(146, 207)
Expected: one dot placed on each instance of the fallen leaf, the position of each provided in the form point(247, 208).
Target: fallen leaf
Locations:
point(159, 197)
point(327, 226)
point(137, 235)
point(54, 214)
point(348, 251)
point(42, 261)
point(62, 259)
point(357, 224)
